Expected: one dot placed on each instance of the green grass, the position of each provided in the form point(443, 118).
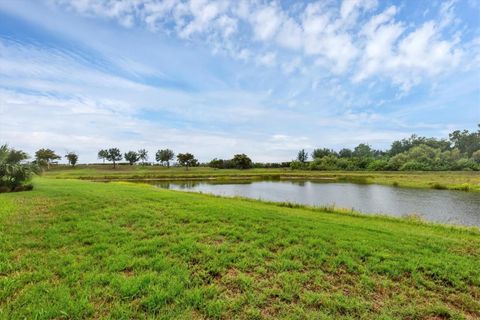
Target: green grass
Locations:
point(455, 180)
point(75, 249)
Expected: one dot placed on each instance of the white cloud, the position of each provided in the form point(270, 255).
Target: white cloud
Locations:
point(268, 59)
point(266, 22)
point(405, 57)
point(336, 37)
point(210, 104)
point(290, 35)
point(324, 39)
point(350, 9)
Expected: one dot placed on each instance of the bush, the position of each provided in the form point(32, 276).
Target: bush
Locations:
point(242, 161)
point(476, 156)
point(378, 165)
point(326, 163)
point(361, 163)
point(14, 172)
point(345, 164)
point(413, 165)
point(297, 165)
point(465, 164)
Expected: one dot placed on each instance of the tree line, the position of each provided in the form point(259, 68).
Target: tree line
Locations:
point(163, 156)
point(461, 151)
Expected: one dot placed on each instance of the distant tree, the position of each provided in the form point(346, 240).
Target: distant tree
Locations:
point(164, 156)
point(45, 157)
point(72, 158)
point(302, 156)
point(132, 157)
point(143, 155)
point(217, 163)
point(242, 161)
point(467, 142)
point(187, 160)
point(114, 155)
point(103, 154)
point(403, 145)
point(320, 153)
point(476, 156)
point(396, 148)
point(363, 151)
point(345, 153)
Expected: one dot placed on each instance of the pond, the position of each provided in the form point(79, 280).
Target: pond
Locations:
point(444, 206)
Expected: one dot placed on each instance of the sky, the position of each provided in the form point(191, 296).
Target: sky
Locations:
point(217, 78)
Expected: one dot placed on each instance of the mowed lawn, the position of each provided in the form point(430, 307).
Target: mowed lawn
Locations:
point(76, 249)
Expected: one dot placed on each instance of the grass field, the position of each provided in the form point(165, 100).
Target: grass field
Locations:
point(75, 249)
point(459, 180)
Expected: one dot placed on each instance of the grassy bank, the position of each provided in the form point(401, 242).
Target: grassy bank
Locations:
point(455, 180)
point(78, 249)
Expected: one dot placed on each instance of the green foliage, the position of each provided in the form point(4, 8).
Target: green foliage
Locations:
point(44, 157)
point(72, 158)
point(242, 161)
point(14, 172)
point(414, 140)
point(345, 153)
point(467, 142)
point(363, 150)
point(476, 156)
point(328, 162)
point(466, 164)
point(114, 155)
point(220, 164)
point(143, 155)
point(164, 156)
point(414, 165)
point(302, 156)
point(320, 153)
point(132, 157)
point(187, 160)
point(378, 165)
point(426, 158)
point(103, 154)
point(460, 152)
point(296, 165)
point(239, 161)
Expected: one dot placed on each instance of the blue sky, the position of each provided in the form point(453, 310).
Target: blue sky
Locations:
point(215, 78)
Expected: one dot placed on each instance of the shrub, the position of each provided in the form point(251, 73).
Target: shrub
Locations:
point(242, 161)
point(345, 164)
point(296, 165)
point(378, 165)
point(465, 164)
point(14, 171)
point(326, 163)
point(397, 161)
point(476, 156)
point(413, 165)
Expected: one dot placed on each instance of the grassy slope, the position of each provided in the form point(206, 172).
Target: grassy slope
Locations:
point(448, 180)
point(76, 249)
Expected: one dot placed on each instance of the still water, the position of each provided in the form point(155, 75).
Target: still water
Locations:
point(444, 206)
